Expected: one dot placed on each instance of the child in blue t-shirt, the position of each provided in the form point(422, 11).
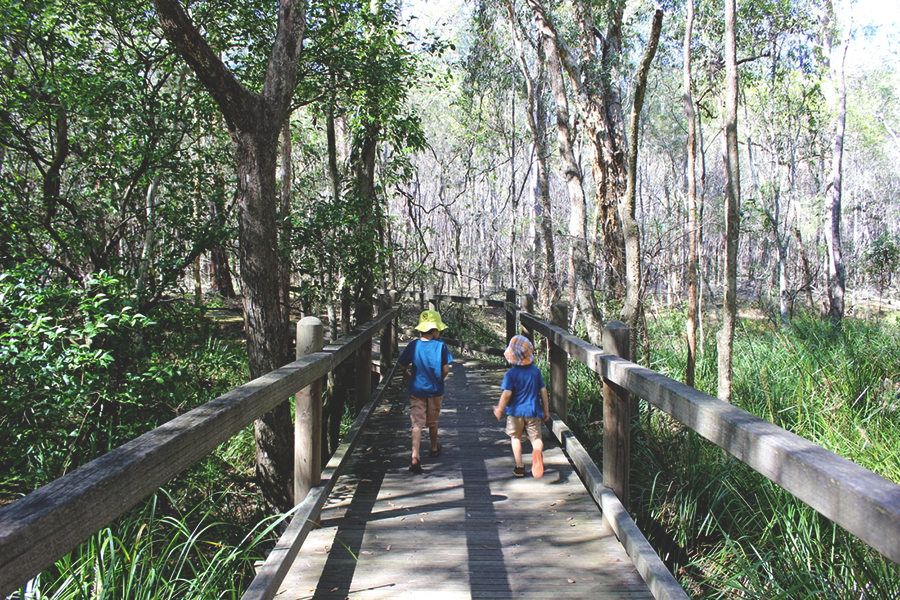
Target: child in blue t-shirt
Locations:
point(524, 398)
point(426, 363)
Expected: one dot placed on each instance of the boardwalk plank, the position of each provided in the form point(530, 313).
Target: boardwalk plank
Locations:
point(465, 528)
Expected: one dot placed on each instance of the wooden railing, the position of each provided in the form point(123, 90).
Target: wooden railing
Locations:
point(47, 524)
point(863, 503)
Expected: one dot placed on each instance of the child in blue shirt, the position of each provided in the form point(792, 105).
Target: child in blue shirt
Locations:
point(426, 363)
point(524, 398)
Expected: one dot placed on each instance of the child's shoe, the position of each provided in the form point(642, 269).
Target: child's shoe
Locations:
point(415, 467)
point(537, 464)
point(519, 471)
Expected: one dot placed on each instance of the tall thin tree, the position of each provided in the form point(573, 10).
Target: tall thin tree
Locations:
point(732, 206)
point(835, 258)
point(693, 267)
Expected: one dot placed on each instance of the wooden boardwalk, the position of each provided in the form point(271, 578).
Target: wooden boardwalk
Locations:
point(465, 528)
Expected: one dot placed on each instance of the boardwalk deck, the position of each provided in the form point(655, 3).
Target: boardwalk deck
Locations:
point(465, 528)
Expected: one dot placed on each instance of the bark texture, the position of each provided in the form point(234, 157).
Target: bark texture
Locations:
point(632, 234)
point(254, 122)
point(732, 207)
point(693, 266)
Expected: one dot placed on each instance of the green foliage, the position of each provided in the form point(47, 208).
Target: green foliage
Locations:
point(157, 553)
point(729, 532)
point(82, 371)
point(882, 260)
point(93, 109)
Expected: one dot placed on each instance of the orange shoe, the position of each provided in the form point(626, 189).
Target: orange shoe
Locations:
point(537, 464)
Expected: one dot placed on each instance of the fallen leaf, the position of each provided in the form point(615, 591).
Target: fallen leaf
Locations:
point(571, 581)
point(388, 548)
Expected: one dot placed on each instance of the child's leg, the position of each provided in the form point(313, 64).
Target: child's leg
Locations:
point(433, 433)
point(537, 448)
point(416, 440)
point(431, 419)
point(417, 409)
point(516, 443)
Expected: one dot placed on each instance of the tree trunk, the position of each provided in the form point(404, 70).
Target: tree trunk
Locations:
point(284, 229)
point(836, 281)
point(537, 125)
point(732, 207)
point(600, 103)
point(693, 267)
point(149, 239)
point(220, 281)
point(581, 288)
point(632, 308)
point(254, 122)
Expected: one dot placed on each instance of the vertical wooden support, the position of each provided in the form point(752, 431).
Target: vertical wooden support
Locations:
point(528, 307)
point(433, 303)
point(345, 310)
point(308, 415)
point(616, 416)
point(363, 374)
point(387, 336)
point(559, 368)
point(511, 314)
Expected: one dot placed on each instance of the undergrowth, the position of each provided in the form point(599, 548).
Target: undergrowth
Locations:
point(726, 531)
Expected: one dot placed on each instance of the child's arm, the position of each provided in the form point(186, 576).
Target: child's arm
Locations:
point(505, 397)
point(546, 402)
point(445, 370)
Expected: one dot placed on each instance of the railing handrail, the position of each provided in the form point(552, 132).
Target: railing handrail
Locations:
point(48, 523)
point(859, 500)
point(306, 515)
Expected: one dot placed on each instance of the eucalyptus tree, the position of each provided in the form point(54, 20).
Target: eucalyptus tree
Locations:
point(580, 273)
point(254, 120)
point(835, 258)
point(732, 203)
point(693, 261)
point(536, 112)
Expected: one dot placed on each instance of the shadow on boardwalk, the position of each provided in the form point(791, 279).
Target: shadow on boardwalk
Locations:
point(465, 528)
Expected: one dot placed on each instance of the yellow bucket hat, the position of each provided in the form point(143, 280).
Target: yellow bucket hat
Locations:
point(430, 319)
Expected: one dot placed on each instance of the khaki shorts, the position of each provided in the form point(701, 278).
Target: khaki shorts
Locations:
point(531, 426)
point(424, 412)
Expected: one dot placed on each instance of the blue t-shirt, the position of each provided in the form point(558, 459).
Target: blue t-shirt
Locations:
point(427, 358)
point(526, 384)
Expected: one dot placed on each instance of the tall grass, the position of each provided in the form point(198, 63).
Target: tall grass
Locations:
point(151, 555)
point(728, 532)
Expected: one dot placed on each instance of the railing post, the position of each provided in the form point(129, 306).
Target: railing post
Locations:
point(616, 417)
point(363, 374)
point(387, 335)
point(433, 303)
point(559, 382)
point(528, 306)
point(511, 325)
point(345, 310)
point(308, 414)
